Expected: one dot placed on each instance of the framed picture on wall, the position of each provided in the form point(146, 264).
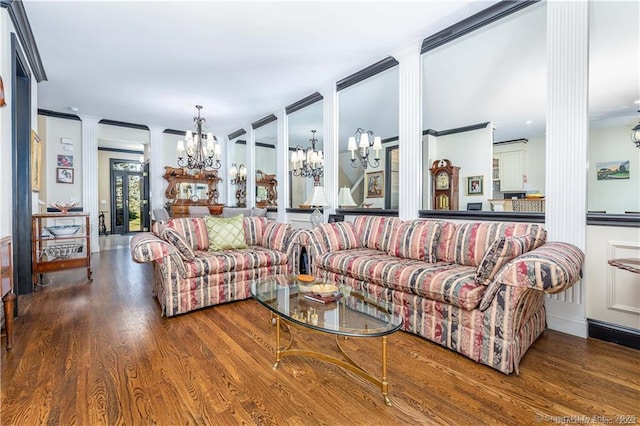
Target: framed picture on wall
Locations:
point(474, 185)
point(64, 175)
point(375, 184)
point(65, 160)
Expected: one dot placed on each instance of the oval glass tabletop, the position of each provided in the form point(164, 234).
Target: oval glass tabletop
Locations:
point(344, 312)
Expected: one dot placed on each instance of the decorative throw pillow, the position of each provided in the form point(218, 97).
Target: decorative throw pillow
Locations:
point(172, 236)
point(254, 229)
point(225, 233)
point(501, 252)
point(339, 236)
point(275, 236)
point(416, 240)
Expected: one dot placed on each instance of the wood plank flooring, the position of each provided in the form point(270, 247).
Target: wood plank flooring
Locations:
point(100, 353)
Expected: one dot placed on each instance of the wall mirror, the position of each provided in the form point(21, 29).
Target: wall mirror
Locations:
point(237, 169)
point(370, 105)
point(303, 174)
point(266, 137)
point(484, 110)
point(613, 185)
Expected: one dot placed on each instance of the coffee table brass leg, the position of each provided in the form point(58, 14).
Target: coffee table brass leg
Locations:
point(385, 384)
point(277, 342)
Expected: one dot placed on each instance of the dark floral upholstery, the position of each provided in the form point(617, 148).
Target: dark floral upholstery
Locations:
point(482, 297)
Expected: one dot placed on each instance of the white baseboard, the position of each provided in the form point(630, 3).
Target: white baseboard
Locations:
point(566, 317)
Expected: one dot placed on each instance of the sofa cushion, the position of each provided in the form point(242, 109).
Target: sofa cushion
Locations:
point(501, 252)
point(416, 239)
point(374, 232)
point(275, 236)
point(472, 240)
point(172, 236)
point(254, 229)
point(225, 232)
point(338, 236)
point(447, 233)
point(215, 262)
point(453, 284)
point(193, 229)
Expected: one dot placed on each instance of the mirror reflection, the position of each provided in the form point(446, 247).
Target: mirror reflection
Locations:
point(238, 171)
point(305, 137)
point(368, 128)
point(265, 159)
point(484, 100)
point(613, 185)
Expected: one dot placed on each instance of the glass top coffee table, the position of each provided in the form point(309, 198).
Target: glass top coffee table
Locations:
point(343, 313)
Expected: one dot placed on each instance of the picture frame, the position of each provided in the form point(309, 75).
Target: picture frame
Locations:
point(36, 161)
point(612, 170)
point(65, 160)
point(64, 175)
point(375, 184)
point(475, 185)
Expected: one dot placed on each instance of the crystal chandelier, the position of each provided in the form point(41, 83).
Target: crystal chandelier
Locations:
point(200, 157)
point(362, 144)
point(309, 163)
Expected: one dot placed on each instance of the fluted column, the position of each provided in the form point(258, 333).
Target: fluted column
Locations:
point(330, 146)
point(90, 175)
point(251, 167)
point(282, 169)
point(566, 147)
point(410, 129)
point(156, 168)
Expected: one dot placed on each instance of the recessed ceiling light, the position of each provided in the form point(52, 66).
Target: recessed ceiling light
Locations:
point(74, 109)
point(637, 102)
point(528, 122)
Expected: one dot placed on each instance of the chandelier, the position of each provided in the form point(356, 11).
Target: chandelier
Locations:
point(309, 163)
point(635, 134)
point(238, 174)
point(199, 156)
point(362, 144)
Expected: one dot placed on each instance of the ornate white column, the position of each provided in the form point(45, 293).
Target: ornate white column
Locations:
point(330, 146)
point(90, 175)
point(251, 166)
point(410, 129)
point(282, 169)
point(156, 168)
point(566, 147)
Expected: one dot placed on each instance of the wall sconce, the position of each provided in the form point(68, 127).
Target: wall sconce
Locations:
point(635, 134)
point(237, 174)
point(362, 143)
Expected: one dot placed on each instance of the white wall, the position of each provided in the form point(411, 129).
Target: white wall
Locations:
point(55, 129)
point(472, 152)
point(613, 144)
point(6, 153)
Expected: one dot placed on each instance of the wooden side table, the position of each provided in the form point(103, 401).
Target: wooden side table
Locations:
point(8, 296)
point(630, 264)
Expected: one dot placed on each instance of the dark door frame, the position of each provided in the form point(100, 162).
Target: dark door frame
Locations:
point(21, 169)
point(144, 213)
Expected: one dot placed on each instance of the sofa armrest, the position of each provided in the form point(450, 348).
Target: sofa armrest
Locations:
point(553, 267)
point(146, 247)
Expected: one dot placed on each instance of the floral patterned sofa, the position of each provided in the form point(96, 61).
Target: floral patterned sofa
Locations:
point(188, 276)
point(476, 288)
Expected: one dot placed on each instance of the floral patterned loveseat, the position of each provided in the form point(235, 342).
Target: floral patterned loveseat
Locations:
point(476, 288)
point(188, 276)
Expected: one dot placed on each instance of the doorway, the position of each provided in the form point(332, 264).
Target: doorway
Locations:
point(129, 197)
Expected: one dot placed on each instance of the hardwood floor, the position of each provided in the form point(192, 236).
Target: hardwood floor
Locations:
point(100, 353)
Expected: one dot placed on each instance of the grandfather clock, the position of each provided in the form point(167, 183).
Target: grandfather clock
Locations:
point(444, 185)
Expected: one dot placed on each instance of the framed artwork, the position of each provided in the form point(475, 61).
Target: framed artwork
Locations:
point(64, 175)
point(36, 161)
point(613, 170)
point(475, 185)
point(375, 184)
point(65, 160)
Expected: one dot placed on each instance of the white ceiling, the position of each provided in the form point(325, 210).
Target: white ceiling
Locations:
point(150, 62)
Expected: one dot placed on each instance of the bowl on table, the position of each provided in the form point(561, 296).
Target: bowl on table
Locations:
point(63, 230)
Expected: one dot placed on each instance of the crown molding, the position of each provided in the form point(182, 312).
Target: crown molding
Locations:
point(18, 16)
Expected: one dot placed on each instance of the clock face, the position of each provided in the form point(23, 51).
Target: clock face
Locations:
point(442, 180)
